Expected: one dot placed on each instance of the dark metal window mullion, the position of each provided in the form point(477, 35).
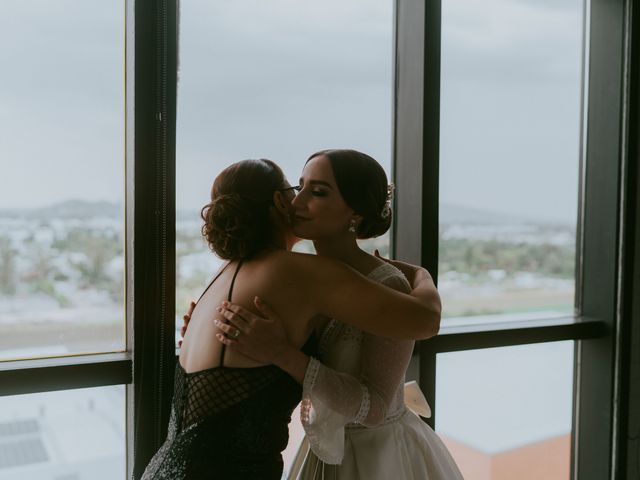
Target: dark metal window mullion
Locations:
point(416, 148)
point(154, 247)
point(596, 400)
point(628, 435)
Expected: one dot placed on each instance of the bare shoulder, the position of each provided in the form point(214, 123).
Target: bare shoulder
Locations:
point(283, 264)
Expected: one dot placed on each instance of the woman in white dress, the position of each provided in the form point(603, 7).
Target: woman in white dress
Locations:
point(353, 409)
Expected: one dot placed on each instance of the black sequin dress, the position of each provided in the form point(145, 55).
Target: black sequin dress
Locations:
point(227, 423)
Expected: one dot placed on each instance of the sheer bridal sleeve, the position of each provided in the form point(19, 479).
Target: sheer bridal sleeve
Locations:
point(332, 399)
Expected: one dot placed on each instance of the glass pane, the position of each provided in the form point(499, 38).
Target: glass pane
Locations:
point(278, 80)
point(506, 413)
point(71, 434)
point(62, 182)
point(510, 124)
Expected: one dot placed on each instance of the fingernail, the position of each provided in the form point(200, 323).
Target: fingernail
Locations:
point(225, 303)
point(216, 322)
point(219, 309)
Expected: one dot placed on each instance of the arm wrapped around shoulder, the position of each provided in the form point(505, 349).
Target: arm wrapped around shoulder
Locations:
point(342, 293)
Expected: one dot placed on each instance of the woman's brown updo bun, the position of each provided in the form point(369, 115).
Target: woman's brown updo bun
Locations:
point(364, 187)
point(237, 220)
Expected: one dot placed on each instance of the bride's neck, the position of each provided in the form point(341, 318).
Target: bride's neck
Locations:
point(346, 251)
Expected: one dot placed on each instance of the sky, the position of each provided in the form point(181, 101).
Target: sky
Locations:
point(285, 78)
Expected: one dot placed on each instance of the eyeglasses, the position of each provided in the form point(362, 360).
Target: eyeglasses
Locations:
point(295, 189)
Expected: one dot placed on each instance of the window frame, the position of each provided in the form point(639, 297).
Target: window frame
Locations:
point(601, 379)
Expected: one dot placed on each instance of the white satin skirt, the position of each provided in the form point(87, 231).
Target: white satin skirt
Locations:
point(404, 449)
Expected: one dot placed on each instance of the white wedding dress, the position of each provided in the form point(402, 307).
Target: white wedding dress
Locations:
point(353, 408)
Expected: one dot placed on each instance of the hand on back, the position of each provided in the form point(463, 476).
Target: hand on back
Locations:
point(186, 318)
point(261, 338)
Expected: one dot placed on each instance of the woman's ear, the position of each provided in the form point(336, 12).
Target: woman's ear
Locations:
point(281, 203)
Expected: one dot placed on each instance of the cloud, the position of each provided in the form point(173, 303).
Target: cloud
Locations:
point(283, 78)
point(61, 102)
point(502, 41)
point(281, 81)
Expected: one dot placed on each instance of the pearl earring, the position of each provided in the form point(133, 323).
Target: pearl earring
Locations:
point(352, 225)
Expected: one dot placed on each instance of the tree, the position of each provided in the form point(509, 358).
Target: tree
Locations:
point(7, 267)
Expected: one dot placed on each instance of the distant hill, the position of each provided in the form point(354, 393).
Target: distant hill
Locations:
point(81, 209)
point(456, 214)
point(76, 209)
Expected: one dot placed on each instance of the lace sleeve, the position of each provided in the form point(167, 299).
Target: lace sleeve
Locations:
point(331, 399)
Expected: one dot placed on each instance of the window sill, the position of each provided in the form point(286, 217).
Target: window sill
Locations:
point(62, 373)
point(501, 334)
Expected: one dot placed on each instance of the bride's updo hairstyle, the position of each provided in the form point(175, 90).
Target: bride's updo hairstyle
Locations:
point(237, 221)
point(364, 187)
